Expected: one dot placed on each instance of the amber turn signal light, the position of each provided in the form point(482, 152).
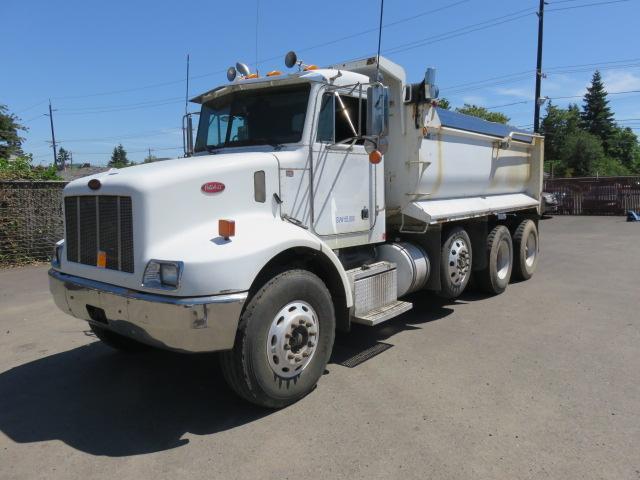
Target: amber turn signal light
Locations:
point(102, 259)
point(226, 228)
point(375, 157)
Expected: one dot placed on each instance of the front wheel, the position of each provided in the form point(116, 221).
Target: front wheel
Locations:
point(284, 341)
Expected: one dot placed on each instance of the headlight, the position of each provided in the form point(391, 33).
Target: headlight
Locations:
point(57, 254)
point(163, 274)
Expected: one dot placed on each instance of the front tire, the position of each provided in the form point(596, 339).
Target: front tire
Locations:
point(284, 341)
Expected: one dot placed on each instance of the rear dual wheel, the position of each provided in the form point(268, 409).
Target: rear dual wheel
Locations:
point(494, 278)
point(526, 246)
point(455, 264)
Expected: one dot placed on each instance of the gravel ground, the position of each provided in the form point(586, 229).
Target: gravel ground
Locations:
point(540, 382)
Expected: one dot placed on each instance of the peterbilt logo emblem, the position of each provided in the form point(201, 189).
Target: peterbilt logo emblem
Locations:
point(212, 187)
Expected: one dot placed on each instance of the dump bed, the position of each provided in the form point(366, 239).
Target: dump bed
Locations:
point(466, 167)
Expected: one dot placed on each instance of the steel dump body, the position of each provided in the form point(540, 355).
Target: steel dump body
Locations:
point(468, 167)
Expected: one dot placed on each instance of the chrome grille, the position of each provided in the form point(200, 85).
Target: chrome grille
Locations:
point(100, 223)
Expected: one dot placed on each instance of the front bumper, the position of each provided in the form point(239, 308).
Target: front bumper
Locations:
point(197, 324)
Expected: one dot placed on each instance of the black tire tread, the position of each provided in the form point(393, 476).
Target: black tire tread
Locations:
point(518, 235)
point(483, 277)
point(233, 363)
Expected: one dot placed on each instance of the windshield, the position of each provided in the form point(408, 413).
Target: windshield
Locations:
point(270, 116)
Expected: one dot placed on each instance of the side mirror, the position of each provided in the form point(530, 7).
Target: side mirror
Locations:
point(377, 111)
point(431, 91)
point(187, 135)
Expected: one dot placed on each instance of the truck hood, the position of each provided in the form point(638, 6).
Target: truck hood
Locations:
point(169, 203)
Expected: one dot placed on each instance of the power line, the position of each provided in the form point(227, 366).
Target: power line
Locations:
point(312, 47)
point(587, 5)
point(125, 136)
point(492, 22)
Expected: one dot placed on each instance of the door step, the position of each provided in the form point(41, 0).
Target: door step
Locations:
point(382, 314)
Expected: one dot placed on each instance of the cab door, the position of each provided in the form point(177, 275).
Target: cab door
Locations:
point(343, 178)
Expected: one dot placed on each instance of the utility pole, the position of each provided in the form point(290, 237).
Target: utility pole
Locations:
point(537, 104)
point(53, 136)
point(186, 95)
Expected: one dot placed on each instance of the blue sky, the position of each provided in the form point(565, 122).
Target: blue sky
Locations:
point(115, 70)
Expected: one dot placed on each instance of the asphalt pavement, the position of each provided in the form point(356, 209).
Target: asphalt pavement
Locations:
point(542, 381)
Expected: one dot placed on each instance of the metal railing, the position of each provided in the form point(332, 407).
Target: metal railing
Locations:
point(595, 195)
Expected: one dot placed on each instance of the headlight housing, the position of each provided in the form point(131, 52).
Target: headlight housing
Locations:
point(162, 274)
point(56, 256)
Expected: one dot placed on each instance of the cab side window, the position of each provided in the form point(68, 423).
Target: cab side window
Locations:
point(339, 118)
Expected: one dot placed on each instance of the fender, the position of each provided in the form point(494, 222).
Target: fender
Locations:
point(213, 265)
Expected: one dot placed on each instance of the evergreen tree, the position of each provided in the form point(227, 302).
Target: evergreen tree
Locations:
point(597, 118)
point(119, 157)
point(481, 112)
point(10, 139)
point(63, 157)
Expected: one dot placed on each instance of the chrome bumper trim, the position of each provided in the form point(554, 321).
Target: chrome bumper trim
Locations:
point(188, 324)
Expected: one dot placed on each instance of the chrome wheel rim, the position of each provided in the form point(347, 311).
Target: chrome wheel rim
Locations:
point(531, 250)
point(503, 260)
point(459, 261)
point(292, 339)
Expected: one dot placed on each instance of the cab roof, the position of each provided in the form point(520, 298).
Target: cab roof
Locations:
point(348, 73)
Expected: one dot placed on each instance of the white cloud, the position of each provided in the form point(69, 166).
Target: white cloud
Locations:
point(515, 92)
point(474, 100)
point(620, 81)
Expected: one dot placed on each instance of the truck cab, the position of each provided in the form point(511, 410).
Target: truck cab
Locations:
point(309, 201)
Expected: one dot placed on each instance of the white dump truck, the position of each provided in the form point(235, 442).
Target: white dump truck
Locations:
point(309, 201)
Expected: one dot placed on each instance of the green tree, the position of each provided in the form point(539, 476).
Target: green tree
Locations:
point(557, 125)
point(623, 146)
point(10, 128)
point(21, 168)
point(597, 118)
point(581, 153)
point(444, 103)
point(481, 112)
point(119, 157)
point(63, 157)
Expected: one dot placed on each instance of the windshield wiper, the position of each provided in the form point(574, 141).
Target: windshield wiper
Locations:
point(213, 149)
point(276, 145)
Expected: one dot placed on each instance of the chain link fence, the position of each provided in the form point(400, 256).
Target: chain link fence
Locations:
point(30, 220)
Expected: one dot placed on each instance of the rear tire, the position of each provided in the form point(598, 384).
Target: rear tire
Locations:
point(526, 249)
point(117, 341)
point(284, 341)
point(455, 263)
point(494, 279)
